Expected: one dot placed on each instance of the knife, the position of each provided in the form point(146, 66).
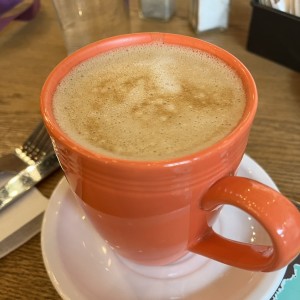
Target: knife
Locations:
point(26, 179)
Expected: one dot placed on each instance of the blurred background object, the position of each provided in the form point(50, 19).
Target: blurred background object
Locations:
point(208, 14)
point(157, 9)
point(21, 10)
point(83, 22)
point(274, 34)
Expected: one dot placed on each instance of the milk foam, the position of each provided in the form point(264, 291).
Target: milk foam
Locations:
point(149, 102)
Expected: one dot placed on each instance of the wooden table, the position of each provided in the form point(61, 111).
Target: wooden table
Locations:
point(28, 52)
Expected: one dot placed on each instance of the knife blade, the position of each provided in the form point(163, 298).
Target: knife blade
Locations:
point(26, 179)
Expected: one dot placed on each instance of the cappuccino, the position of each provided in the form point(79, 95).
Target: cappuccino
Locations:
point(149, 102)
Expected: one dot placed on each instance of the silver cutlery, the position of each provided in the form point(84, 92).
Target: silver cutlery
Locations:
point(35, 147)
point(34, 161)
point(26, 179)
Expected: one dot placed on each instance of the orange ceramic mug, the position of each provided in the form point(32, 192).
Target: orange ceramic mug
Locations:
point(153, 213)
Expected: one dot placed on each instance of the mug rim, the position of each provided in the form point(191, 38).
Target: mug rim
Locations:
point(108, 44)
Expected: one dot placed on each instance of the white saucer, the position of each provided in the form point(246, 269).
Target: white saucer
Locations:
point(82, 266)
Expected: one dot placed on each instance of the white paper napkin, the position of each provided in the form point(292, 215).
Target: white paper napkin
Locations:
point(212, 14)
point(18, 214)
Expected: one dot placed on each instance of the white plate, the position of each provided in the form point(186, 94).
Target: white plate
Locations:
point(82, 266)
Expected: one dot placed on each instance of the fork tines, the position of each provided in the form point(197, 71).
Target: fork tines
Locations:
point(37, 145)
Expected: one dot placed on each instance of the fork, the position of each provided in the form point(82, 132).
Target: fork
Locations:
point(34, 149)
point(34, 160)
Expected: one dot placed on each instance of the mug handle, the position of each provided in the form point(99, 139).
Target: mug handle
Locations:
point(275, 213)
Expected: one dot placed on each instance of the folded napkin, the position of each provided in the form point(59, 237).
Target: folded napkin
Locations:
point(16, 216)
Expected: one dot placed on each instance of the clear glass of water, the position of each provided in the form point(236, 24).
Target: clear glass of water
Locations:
point(83, 21)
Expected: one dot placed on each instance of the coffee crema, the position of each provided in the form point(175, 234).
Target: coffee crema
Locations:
point(149, 102)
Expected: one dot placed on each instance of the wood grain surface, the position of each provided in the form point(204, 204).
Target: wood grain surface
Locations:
point(28, 52)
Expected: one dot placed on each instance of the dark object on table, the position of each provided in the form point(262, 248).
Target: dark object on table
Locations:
point(275, 35)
